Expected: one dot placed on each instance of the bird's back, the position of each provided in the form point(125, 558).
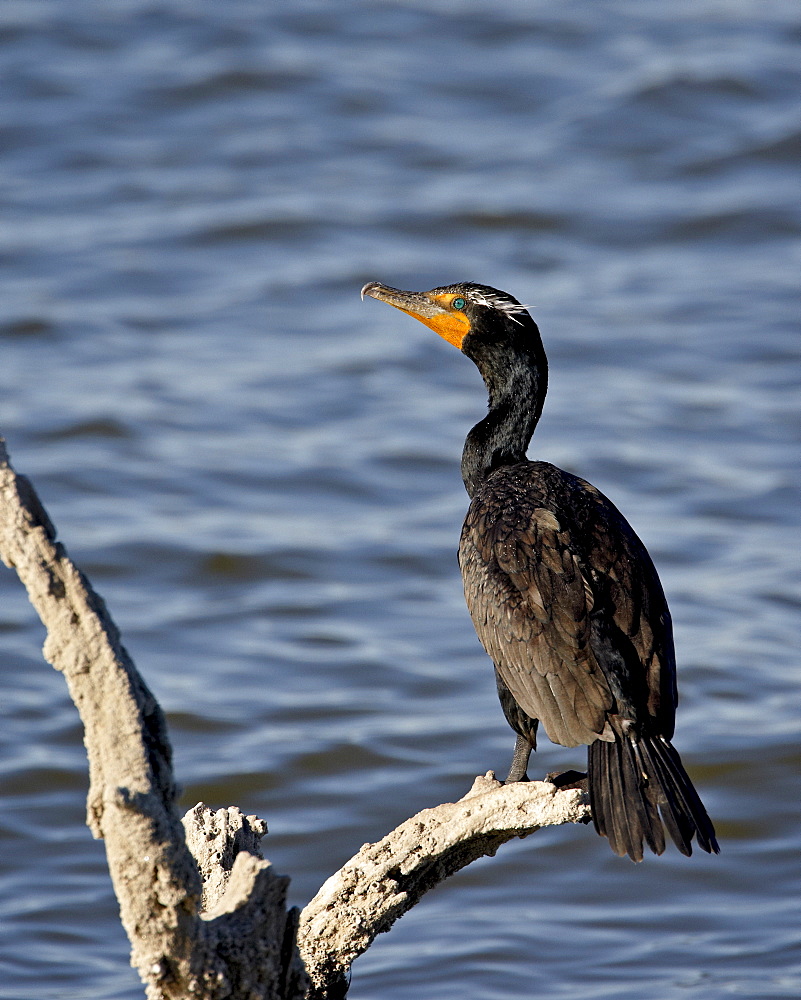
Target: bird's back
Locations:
point(568, 604)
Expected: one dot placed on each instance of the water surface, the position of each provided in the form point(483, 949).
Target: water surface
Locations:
point(260, 473)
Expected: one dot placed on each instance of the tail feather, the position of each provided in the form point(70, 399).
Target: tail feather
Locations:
point(624, 826)
point(634, 783)
point(645, 805)
point(693, 808)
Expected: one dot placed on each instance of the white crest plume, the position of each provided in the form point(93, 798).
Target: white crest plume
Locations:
point(499, 302)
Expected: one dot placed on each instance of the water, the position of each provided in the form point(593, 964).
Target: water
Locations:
point(260, 473)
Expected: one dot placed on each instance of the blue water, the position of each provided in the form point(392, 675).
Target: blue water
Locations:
point(259, 472)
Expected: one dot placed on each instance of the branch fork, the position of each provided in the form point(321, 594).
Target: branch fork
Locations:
point(206, 915)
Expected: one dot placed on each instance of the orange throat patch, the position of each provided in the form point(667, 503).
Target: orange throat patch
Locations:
point(451, 326)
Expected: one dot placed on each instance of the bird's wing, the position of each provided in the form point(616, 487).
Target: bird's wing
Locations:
point(530, 602)
point(634, 620)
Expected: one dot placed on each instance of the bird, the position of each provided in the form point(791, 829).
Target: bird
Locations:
point(562, 593)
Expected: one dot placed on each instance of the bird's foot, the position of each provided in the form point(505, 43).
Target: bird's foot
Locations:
point(512, 778)
point(568, 779)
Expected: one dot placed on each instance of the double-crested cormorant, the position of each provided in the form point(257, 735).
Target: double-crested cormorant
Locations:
point(562, 592)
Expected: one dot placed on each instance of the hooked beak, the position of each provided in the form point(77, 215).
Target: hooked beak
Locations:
point(429, 308)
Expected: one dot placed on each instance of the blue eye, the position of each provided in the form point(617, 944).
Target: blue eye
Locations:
point(458, 303)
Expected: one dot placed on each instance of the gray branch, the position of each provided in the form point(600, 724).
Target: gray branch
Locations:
point(384, 880)
point(204, 912)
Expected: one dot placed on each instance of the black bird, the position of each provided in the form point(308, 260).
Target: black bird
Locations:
point(562, 592)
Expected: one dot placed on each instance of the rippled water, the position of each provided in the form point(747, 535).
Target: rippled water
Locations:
point(260, 473)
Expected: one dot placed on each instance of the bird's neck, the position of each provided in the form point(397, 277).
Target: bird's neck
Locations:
point(516, 394)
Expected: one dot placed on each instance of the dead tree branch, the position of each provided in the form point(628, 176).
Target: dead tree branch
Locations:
point(384, 880)
point(205, 914)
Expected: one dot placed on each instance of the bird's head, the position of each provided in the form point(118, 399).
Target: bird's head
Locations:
point(496, 332)
point(465, 314)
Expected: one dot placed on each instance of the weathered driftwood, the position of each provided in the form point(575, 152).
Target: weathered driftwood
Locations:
point(205, 913)
point(384, 880)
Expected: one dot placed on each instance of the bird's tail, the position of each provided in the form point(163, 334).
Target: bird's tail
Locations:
point(633, 782)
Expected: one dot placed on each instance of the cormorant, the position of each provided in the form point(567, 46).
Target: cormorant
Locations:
point(563, 594)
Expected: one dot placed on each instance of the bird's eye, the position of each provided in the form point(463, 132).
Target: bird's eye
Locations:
point(458, 303)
